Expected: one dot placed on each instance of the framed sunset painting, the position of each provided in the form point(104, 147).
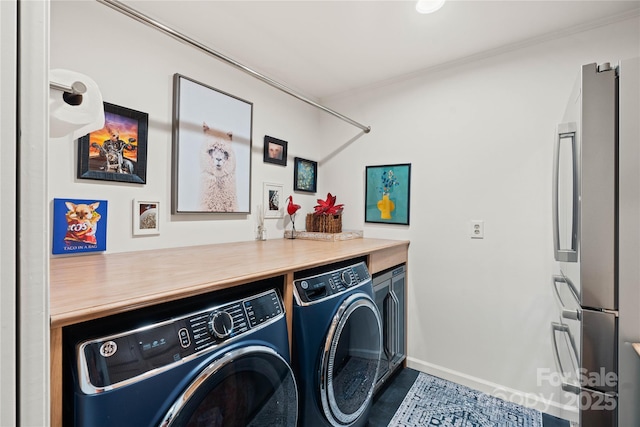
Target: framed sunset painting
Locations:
point(118, 151)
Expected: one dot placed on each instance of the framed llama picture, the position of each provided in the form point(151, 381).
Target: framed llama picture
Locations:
point(211, 149)
point(118, 151)
point(387, 194)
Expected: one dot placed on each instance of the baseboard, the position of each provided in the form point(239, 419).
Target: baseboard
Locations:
point(528, 400)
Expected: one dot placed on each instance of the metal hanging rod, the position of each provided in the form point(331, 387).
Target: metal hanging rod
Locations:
point(77, 88)
point(132, 13)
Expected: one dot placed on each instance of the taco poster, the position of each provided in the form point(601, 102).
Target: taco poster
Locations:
point(79, 225)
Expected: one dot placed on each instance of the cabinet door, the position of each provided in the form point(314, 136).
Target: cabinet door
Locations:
point(383, 301)
point(398, 292)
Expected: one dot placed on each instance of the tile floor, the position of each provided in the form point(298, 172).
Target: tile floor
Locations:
point(389, 398)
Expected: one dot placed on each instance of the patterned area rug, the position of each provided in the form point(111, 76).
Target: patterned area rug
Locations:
point(432, 401)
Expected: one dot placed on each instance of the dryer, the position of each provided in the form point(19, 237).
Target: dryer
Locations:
point(223, 365)
point(337, 342)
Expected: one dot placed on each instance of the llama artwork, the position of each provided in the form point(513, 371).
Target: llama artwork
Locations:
point(218, 172)
point(212, 150)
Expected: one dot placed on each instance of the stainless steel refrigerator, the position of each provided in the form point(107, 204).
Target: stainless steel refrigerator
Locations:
point(596, 192)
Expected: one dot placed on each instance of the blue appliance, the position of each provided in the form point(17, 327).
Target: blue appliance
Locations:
point(337, 342)
point(223, 365)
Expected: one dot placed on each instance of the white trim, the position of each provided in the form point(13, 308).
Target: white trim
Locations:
point(629, 243)
point(8, 98)
point(480, 56)
point(34, 214)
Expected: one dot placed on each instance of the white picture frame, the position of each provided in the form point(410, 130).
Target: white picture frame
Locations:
point(204, 119)
point(273, 200)
point(146, 217)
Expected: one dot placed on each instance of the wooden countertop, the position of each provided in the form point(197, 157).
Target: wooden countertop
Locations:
point(92, 286)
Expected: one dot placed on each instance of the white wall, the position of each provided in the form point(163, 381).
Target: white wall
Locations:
point(134, 66)
point(479, 137)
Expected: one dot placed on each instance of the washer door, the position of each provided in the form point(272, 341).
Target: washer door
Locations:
point(252, 386)
point(350, 360)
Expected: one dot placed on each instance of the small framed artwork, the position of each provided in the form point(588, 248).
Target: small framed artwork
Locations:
point(273, 200)
point(146, 217)
point(118, 151)
point(211, 149)
point(79, 225)
point(305, 175)
point(387, 194)
point(275, 151)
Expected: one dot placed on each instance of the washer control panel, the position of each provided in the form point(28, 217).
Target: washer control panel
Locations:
point(110, 360)
point(325, 285)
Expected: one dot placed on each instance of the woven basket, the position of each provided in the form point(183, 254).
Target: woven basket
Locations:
point(324, 223)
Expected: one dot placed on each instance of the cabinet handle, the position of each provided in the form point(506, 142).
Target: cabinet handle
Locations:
point(395, 322)
point(385, 326)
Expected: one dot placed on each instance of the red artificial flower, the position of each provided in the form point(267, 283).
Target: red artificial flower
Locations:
point(328, 206)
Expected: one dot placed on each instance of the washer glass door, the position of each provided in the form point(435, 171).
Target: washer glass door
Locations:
point(252, 386)
point(350, 360)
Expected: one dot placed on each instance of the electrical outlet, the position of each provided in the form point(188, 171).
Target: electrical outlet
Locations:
point(477, 229)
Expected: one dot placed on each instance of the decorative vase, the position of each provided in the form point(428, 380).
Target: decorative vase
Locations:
point(385, 206)
point(262, 233)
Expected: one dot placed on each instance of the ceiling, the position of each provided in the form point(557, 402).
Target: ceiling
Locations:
point(327, 48)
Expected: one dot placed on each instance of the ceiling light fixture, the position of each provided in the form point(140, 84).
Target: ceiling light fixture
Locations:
point(428, 6)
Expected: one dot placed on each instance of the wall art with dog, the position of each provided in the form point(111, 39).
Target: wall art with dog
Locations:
point(211, 150)
point(118, 151)
point(79, 225)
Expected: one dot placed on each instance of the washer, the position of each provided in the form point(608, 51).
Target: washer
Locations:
point(337, 345)
point(224, 365)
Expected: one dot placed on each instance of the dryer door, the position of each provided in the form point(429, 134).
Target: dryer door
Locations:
point(350, 360)
point(251, 386)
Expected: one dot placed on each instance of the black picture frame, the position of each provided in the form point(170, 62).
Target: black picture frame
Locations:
point(305, 175)
point(118, 151)
point(275, 151)
point(206, 121)
point(388, 194)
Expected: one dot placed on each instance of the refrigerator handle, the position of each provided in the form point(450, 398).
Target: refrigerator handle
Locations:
point(571, 314)
point(562, 329)
point(566, 131)
point(566, 312)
